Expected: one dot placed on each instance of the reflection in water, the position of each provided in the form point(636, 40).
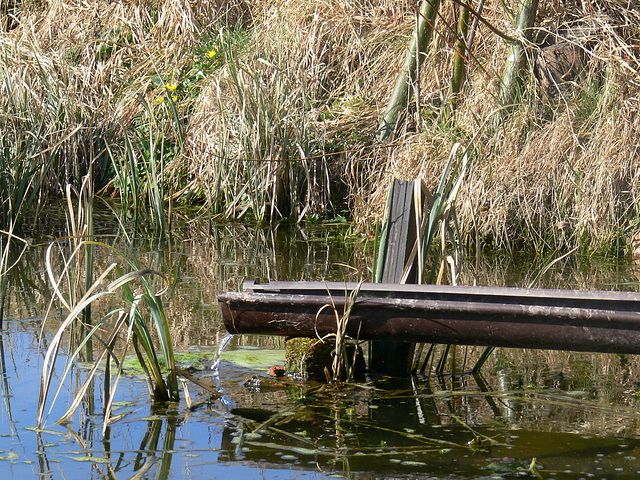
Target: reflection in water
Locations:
point(491, 402)
point(398, 427)
point(4, 385)
point(151, 452)
point(571, 411)
point(44, 467)
point(458, 426)
point(508, 410)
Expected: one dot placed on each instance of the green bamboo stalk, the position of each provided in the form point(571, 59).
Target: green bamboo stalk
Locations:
point(516, 58)
point(401, 92)
point(459, 58)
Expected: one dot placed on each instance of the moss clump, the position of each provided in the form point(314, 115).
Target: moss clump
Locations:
point(308, 357)
point(312, 359)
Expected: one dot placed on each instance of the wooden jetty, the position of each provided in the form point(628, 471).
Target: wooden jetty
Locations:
point(590, 321)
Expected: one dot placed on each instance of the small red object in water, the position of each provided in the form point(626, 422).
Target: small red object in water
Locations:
point(277, 371)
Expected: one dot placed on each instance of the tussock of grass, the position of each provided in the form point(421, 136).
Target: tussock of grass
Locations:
point(278, 106)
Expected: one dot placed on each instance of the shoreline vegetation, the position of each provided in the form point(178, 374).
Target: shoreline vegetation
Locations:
point(268, 110)
point(271, 111)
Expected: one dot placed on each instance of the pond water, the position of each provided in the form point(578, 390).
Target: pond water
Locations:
point(530, 414)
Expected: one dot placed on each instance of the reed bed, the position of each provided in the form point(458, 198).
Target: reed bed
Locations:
point(269, 112)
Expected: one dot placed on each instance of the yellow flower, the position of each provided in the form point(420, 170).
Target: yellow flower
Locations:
point(174, 98)
point(212, 53)
point(172, 85)
point(159, 100)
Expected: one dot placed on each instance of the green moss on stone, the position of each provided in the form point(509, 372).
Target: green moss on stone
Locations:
point(308, 357)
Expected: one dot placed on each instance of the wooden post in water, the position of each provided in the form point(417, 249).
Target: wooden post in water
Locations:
point(399, 236)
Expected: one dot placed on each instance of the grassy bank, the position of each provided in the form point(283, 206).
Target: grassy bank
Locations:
point(268, 110)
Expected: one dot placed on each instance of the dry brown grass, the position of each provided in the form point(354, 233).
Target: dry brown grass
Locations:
point(559, 171)
point(319, 78)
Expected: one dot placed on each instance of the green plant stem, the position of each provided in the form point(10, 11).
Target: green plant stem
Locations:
point(459, 60)
point(401, 92)
point(516, 57)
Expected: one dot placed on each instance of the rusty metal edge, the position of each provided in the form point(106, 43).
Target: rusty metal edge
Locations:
point(474, 321)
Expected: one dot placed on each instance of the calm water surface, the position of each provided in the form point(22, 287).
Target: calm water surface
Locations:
point(532, 414)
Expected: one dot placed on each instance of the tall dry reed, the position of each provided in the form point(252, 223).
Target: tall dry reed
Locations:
point(276, 108)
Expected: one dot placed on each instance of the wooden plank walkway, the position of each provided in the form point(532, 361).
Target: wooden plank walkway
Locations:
point(593, 321)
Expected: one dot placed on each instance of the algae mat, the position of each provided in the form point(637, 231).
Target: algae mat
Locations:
point(253, 358)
